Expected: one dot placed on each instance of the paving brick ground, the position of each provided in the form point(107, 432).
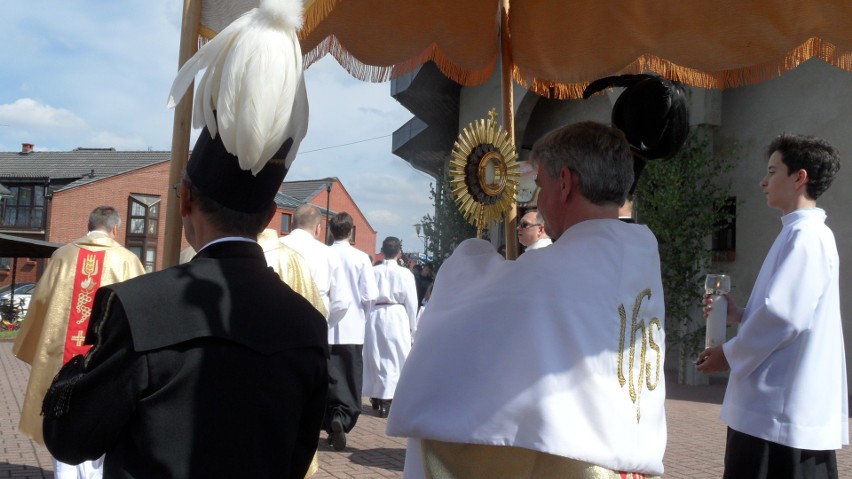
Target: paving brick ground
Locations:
point(696, 439)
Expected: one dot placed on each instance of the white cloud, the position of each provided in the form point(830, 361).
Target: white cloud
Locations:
point(29, 113)
point(107, 139)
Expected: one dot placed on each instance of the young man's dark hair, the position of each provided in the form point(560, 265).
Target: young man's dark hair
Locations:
point(814, 155)
point(391, 247)
point(341, 225)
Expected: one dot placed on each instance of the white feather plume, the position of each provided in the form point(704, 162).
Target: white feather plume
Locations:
point(254, 82)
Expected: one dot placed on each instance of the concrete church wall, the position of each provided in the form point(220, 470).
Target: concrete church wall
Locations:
point(813, 99)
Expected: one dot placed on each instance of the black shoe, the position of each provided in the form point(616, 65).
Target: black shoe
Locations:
point(375, 403)
point(338, 436)
point(384, 408)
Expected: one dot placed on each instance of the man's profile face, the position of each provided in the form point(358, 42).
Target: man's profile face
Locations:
point(779, 185)
point(529, 229)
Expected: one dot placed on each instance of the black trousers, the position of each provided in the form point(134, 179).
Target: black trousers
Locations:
point(749, 457)
point(345, 376)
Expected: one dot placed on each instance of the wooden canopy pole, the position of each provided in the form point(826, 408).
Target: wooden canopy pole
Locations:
point(180, 132)
point(508, 119)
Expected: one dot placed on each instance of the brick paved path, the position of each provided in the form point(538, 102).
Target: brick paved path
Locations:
point(696, 441)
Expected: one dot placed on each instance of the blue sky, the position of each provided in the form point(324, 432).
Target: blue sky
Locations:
point(97, 74)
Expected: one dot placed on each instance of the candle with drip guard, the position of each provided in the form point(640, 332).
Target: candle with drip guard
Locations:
point(716, 285)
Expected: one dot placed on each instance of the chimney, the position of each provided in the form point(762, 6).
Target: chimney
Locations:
point(26, 148)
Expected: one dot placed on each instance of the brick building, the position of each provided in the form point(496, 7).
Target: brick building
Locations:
point(331, 197)
point(52, 193)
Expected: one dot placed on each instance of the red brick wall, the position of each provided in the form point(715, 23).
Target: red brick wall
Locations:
point(69, 212)
point(365, 236)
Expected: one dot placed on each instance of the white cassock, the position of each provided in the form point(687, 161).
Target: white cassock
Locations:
point(560, 352)
point(788, 366)
point(388, 337)
point(326, 271)
point(361, 283)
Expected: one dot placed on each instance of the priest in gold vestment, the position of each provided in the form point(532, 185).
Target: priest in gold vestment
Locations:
point(63, 296)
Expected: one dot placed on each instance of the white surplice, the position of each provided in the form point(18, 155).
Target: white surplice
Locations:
point(560, 351)
point(788, 366)
point(325, 269)
point(389, 329)
point(361, 283)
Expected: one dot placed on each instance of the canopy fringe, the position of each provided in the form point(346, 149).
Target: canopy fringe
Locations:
point(812, 48)
point(315, 13)
point(377, 73)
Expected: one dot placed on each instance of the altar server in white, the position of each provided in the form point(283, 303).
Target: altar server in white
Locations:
point(390, 327)
point(786, 401)
point(346, 338)
point(551, 365)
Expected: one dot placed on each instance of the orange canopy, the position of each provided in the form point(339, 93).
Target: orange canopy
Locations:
point(553, 47)
point(557, 46)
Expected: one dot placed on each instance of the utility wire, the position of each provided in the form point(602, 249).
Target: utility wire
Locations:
point(342, 145)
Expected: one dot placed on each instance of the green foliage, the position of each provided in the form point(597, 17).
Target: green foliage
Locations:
point(10, 314)
point(447, 228)
point(683, 200)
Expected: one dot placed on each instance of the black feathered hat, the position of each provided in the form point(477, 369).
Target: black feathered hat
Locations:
point(218, 175)
point(651, 112)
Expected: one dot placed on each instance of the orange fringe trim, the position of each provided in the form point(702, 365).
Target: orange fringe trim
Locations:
point(377, 73)
point(812, 48)
point(315, 13)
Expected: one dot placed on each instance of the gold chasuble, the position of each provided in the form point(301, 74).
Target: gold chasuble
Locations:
point(291, 268)
point(55, 325)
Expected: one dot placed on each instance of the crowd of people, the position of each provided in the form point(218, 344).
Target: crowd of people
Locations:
point(551, 365)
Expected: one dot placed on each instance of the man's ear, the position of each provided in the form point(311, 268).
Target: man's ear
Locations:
point(566, 182)
point(318, 230)
point(801, 178)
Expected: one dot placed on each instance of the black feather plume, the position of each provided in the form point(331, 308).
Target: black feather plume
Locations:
point(652, 113)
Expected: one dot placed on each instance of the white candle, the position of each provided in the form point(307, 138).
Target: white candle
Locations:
point(716, 285)
point(717, 322)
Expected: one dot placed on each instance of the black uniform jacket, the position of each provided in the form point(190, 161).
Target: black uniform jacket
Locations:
point(214, 368)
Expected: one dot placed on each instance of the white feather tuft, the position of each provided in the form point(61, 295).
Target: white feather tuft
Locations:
point(288, 13)
point(254, 82)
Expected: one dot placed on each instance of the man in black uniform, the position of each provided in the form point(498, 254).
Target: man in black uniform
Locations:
point(213, 368)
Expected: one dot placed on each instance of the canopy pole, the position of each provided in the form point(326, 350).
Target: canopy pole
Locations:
point(180, 132)
point(508, 119)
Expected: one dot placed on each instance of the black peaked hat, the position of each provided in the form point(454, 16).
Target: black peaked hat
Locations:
point(217, 174)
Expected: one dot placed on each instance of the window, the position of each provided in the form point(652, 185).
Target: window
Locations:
point(25, 208)
point(5, 263)
point(724, 239)
point(286, 218)
point(143, 222)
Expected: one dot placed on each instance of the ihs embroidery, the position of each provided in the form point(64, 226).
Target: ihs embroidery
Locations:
point(637, 326)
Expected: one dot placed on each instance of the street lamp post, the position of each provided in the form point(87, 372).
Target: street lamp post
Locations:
point(418, 228)
point(328, 183)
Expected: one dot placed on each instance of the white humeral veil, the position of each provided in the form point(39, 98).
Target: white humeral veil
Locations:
point(560, 351)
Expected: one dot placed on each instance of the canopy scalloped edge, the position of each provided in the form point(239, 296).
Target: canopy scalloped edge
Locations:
point(812, 48)
point(378, 73)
